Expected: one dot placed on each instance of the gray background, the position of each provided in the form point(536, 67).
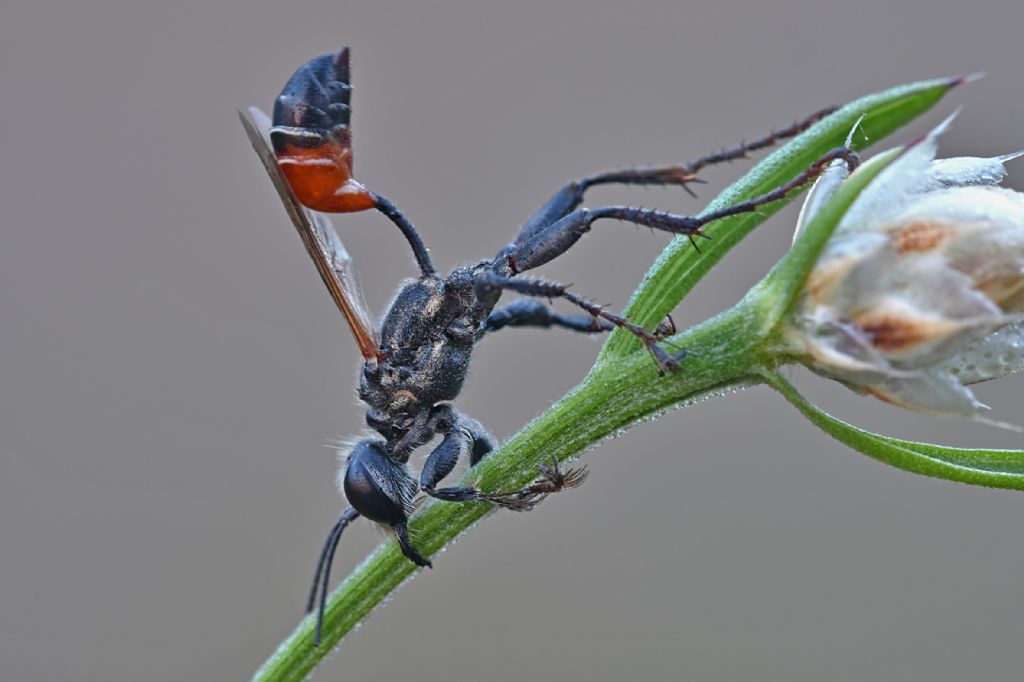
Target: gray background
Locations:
point(172, 369)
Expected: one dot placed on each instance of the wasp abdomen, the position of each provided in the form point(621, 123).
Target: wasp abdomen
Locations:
point(311, 137)
point(318, 94)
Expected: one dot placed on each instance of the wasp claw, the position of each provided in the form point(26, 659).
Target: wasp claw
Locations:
point(552, 480)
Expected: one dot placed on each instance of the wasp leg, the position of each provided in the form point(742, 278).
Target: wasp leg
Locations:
point(569, 197)
point(461, 439)
point(552, 479)
point(489, 285)
point(483, 442)
point(552, 240)
point(457, 443)
point(402, 533)
point(527, 313)
point(557, 238)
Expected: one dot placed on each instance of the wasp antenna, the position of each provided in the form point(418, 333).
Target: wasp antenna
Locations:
point(323, 569)
point(315, 588)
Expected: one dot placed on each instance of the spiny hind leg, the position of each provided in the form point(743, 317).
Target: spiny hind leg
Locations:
point(489, 285)
point(463, 438)
point(570, 197)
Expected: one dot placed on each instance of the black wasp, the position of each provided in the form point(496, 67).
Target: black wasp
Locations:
point(418, 360)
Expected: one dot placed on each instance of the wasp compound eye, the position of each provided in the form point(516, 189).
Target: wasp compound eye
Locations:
point(381, 489)
point(378, 488)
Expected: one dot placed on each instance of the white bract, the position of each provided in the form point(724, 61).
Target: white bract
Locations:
point(920, 290)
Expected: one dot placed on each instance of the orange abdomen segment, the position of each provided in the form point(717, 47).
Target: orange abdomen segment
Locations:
point(321, 177)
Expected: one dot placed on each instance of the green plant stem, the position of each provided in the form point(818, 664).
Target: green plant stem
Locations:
point(613, 396)
point(723, 354)
point(682, 266)
point(974, 466)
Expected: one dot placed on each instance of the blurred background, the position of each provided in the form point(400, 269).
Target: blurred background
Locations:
point(173, 371)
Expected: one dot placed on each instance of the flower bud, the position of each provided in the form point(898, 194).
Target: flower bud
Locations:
point(920, 290)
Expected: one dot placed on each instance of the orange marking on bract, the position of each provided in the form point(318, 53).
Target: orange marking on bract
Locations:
point(884, 397)
point(890, 333)
point(893, 333)
point(1002, 288)
point(924, 235)
point(895, 399)
point(826, 276)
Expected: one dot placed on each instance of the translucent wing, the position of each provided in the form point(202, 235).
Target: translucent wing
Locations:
point(321, 241)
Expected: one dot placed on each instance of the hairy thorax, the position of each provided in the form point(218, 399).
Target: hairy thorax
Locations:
point(426, 341)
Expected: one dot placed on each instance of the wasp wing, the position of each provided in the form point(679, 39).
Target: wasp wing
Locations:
point(320, 239)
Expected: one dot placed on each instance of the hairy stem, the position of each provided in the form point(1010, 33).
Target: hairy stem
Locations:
point(614, 396)
point(623, 388)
